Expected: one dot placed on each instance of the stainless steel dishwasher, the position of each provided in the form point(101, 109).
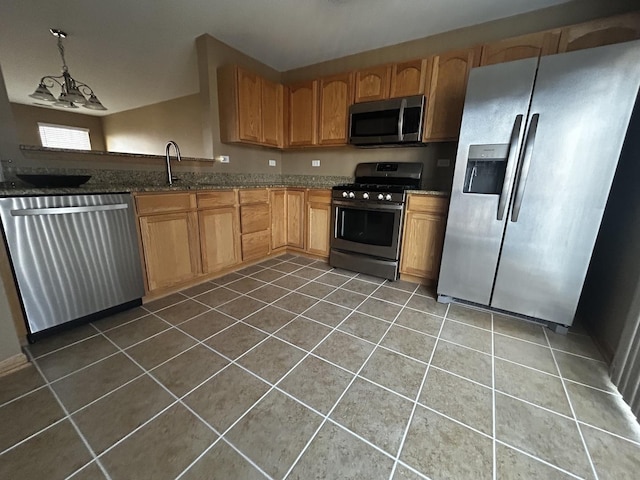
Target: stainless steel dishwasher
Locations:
point(74, 257)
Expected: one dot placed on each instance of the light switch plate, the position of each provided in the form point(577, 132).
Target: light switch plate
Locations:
point(315, 163)
point(272, 163)
point(223, 158)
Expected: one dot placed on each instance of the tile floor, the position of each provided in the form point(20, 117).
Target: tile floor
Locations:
point(291, 369)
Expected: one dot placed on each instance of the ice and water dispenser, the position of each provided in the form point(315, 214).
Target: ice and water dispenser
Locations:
point(486, 166)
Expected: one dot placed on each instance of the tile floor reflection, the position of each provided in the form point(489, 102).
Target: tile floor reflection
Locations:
point(291, 369)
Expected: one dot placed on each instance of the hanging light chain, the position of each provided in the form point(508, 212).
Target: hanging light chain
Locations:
point(61, 50)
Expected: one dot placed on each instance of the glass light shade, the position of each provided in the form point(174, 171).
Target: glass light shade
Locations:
point(63, 102)
point(43, 93)
point(74, 95)
point(93, 103)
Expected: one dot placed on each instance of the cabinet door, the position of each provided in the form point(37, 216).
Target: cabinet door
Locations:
point(448, 86)
point(278, 219)
point(249, 106)
point(408, 78)
point(422, 244)
point(254, 218)
point(271, 113)
point(295, 218)
point(335, 98)
point(604, 31)
point(372, 84)
point(525, 46)
point(219, 238)
point(171, 248)
point(255, 245)
point(318, 228)
point(303, 114)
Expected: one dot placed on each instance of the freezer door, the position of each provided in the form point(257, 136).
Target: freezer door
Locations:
point(495, 112)
point(580, 111)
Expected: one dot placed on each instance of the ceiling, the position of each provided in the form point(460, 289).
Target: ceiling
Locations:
point(139, 52)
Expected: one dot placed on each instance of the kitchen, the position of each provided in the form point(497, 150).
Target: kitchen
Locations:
point(338, 163)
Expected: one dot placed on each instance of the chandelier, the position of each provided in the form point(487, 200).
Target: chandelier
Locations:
point(73, 92)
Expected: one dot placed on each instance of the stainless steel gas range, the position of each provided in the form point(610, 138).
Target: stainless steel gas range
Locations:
point(366, 218)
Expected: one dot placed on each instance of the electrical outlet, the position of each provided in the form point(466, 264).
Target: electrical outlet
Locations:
point(223, 158)
point(272, 163)
point(315, 163)
point(444, 162)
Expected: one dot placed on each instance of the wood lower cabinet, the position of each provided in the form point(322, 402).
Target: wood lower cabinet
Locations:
point(517, 48)
point(603, 31)
point(171, 248)
point(318, 222)
point(295, 218)
point(219, 228)
point(255, 223)
point(278, 201)
point(423, 237)
point(302, 114)
point(336, 94)
point(447, 89)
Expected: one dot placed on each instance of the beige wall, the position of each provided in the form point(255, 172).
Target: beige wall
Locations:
point(572, 12)
point(147, 130)
point(9, 345)
point(212, 54)
point(28, 116)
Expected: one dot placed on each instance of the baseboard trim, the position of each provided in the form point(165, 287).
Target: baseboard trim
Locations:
point(13, 363)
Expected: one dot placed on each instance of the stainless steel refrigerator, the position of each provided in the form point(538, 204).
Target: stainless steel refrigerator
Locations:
point(539, 145)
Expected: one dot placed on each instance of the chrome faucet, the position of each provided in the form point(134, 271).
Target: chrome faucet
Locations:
point(170, 177)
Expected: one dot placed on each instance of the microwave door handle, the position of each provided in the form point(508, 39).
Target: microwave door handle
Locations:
point(403, 105)
point(512, 159)
point(526, 163)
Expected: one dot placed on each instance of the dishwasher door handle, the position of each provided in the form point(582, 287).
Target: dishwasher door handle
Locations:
point(32, 212)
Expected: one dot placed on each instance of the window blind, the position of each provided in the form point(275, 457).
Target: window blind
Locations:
point(60, 136)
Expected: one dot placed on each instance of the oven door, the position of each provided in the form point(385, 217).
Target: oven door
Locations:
point(367, 228)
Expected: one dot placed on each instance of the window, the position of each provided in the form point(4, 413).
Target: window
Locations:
point(60, 136)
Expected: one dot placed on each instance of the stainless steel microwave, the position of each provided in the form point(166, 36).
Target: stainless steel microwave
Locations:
point(387, 122)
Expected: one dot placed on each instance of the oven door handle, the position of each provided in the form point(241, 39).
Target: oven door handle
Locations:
point(369, 206)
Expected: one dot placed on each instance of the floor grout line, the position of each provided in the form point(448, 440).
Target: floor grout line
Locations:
point(72, 422)
point(538, 459)
point(417, 398)
point(493, 398)
point(308, 352)
point(573, 413)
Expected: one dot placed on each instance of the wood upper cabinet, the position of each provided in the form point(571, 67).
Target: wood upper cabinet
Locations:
point(423, 237)
point(372, 83)
point(408, 78)
point(336, 94)
point(318, 222)
point(448, 85)
point(272, 121)
point(525, 46)
point(295, 218)
point(250, 107)
point(170, 242)
point(219, 228)
point(302, 114)
point(604, 31)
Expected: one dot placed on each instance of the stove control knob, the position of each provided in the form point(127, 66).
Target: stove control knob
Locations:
point(345, 194)
point(380, 196)
point(387, 196)
point(365, 195)
point(352, 195)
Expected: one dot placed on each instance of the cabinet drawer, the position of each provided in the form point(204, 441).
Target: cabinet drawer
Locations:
point(225, 198)
point(165, 203)
point(254, 196)
point(255, 245)
point(319, 196)
point(254, 218)
point(426, 203)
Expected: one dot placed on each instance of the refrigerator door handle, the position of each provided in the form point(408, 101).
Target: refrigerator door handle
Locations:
point(511, 166)
point(526, 163)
